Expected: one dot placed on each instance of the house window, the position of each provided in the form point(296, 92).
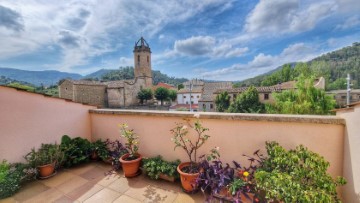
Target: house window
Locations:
point(187, 102)
point(266, 96)
point(184, 97)
point(192, 96)
point(359, 97)
point(211, 106)
point(197, 96)
point(192, 102)
point(204, 106)
point(65, 88)
point(343, 97)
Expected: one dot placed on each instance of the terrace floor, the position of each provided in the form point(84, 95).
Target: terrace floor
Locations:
point(87, 183)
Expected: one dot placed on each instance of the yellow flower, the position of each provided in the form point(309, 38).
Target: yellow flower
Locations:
point(246, 174)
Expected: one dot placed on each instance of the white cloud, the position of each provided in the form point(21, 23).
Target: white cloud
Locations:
point(200, 45)
point(349, 23)
point(262, 63)
point(283, 16)
point(208, 46)
point(91, 28)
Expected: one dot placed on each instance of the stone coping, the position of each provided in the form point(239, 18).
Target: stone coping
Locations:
point(228, 116)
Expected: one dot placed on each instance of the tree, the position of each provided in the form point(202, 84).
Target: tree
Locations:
point(172, 95)
point(306, 99)
point(144, 94)
point(247, 102)
point(180, 86)
point(161, 93)
point(222, 102)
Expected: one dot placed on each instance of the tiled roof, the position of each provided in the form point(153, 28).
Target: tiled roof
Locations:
point(194, 90)
point(165, 85)
point(343, 91)
point(242, 89)
point(211, 87)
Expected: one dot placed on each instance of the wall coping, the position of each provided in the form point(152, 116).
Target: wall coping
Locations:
point(334, 120)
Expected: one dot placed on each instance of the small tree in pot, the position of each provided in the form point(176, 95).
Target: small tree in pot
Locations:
point(189, 171)
point(130, 161)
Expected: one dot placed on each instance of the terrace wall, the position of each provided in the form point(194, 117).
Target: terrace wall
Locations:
point(235, 134)
point(29, 119)
point(351, 191)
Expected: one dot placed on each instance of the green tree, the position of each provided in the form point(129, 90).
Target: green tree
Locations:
point(306, 99)
point(144, 95)
point(247, 102)
point(172, 95)
point(180, 86)
point(161, 93)
point(222, 102)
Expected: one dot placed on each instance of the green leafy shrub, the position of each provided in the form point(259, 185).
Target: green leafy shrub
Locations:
point(76, 150)
point(46, 154)
point(100, 147)
point(297, 175)
point(11, 177)
point(156, 165)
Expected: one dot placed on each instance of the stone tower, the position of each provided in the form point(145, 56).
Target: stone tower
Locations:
point(142, 61)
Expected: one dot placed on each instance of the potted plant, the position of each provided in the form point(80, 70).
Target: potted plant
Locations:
point(46, 159)
point(130, 161)
point(157, 168)
point(189, 171)
point(234, 184)
point(297, 175)
point(76, 150)
point(98, 150)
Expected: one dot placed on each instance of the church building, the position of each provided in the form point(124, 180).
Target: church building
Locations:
point(113, 94)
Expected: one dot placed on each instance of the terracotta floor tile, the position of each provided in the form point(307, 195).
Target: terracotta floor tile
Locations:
point(80, 169)
point(189, 198)
point(104, 196)
point(95, 173)
point(8, 200)
point(120, 185)
point(58, 179)
point(108, 179)
point(63, 199)
point(143, 191)
point(72, 184)
point(126, 199)
point(83, 192)
point(30, 190)
point(47, 196)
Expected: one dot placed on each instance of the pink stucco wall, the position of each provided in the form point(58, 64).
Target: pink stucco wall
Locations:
point(351, 168)
point(234, 137)
point(28, 119)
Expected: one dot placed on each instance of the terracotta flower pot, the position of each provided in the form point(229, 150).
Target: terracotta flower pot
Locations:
point(46, 170)
point(131, 168)
point(188, 180)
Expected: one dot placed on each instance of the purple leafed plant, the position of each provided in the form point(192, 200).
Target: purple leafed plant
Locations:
point(116, 150)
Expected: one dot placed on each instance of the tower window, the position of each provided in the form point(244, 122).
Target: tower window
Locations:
point(138, 58)
point(266, 96)
point(147, 59)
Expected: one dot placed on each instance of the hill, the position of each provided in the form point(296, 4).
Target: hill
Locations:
point(333, 66)
point(128, 73)
point(48, 77)
point(98, 74)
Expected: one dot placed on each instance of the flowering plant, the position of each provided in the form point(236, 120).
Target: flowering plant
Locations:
point(132, 140)
point(182, 139)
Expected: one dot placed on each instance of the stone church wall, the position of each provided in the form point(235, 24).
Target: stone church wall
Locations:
point(66, 90)
point(90, 94)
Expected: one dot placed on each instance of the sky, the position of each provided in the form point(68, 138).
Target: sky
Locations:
point(207, 39)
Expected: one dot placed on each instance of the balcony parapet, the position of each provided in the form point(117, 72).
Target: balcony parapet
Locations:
point(334, 120)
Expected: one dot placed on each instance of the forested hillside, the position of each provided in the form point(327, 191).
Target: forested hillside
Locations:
point(333, 66)
point(128, 73)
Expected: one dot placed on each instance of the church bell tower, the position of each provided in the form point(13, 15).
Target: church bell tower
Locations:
point(142, 62)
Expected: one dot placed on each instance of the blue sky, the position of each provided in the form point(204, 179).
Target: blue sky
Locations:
point(209, 39)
